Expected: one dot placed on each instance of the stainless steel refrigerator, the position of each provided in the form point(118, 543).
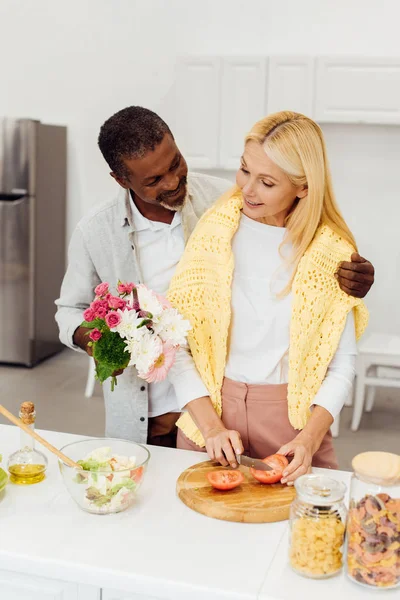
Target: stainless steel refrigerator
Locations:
point(32, 237)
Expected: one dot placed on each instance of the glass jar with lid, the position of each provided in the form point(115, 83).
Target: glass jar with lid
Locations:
point(373, 530)
point(317, 526)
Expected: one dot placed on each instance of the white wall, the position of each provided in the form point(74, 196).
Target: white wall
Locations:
point(79, 61)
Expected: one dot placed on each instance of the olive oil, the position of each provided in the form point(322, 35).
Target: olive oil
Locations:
point(27, 465)
point(26, 474)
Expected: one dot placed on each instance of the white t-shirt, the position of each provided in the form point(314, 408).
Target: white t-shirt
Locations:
point(260, 325)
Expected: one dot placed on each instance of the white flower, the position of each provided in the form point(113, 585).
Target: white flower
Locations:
point(148, 301)
point(145, 352)
point(128, 328)
point(172, 327)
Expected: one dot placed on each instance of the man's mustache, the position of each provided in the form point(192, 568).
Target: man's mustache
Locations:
point(165, 195)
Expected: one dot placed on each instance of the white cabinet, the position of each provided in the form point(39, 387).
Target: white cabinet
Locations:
point(197, 110)
point(218, 99)
point(358, 90)
point(18, 586)
point(243, 102)
point(291, 84)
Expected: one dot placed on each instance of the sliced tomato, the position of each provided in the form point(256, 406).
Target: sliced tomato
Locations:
point(137, 474)
point(278, 458)
point(225, 480)
point(278, 462)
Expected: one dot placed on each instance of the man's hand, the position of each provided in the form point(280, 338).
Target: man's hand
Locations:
point(356, 277)
point(81, 338)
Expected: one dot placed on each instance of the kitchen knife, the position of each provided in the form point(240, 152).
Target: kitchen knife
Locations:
point(254, 463)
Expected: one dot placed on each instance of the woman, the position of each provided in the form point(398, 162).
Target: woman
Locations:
point(273, 335)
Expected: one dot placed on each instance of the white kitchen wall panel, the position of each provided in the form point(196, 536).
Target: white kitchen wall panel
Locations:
point(243, 102)
point(198, 105)
point(291, 84)
point(358, 90)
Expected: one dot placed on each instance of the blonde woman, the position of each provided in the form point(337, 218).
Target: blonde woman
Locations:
point(274, 337)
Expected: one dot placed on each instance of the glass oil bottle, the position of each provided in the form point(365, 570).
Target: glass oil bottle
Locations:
point(27, 465)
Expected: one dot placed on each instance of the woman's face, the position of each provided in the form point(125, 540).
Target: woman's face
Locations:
point(267, 191)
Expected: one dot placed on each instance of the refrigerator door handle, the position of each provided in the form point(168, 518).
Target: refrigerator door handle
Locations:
point(13, 198)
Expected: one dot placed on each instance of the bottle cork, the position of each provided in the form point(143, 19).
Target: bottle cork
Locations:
point(27, 413)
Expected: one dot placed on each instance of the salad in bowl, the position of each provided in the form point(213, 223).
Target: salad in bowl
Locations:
point(111, 473)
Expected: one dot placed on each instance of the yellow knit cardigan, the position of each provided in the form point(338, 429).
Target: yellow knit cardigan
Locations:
point(201, 291)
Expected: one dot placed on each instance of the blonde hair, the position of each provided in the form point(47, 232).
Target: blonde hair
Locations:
point(296, 145)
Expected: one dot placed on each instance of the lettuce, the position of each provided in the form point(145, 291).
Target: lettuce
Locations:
point(3, 479)
point(125, 483)
point(94, 465)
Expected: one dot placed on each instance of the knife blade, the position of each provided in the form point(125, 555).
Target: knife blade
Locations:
point(254, 463)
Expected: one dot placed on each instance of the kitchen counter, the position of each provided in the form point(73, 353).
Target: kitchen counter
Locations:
point(158, 549)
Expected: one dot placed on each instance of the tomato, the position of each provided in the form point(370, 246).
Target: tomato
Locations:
point(278, 462)
point(137, 474)
point(225, 480)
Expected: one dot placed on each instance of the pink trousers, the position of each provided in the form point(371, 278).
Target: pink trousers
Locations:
point(260, 414)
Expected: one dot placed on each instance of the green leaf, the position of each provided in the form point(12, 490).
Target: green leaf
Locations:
point(143, 323)
point(104, 371)
point(110, 355)
point(88, 324)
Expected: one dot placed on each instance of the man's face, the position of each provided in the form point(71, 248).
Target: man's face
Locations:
point(159, 177)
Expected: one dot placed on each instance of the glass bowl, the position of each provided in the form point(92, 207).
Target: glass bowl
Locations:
point(104, 491)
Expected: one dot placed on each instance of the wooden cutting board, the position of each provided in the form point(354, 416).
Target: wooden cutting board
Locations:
point(251, 502)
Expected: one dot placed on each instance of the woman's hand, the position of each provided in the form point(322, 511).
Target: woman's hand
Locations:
point(305, 444)
point(222, 445)
point(302, 453)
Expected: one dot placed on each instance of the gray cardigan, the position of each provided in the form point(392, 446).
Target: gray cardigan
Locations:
point(103, 248)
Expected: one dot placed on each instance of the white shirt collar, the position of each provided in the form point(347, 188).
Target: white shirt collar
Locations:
point(141, 223)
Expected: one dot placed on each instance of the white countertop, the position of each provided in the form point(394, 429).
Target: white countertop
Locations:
point(158, 547)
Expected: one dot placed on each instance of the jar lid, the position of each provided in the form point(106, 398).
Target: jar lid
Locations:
point(319, 489)
point(381, 468)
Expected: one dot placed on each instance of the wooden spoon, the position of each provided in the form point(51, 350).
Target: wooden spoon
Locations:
point(68, 461)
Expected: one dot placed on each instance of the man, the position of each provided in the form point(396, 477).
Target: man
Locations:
point(140, 236)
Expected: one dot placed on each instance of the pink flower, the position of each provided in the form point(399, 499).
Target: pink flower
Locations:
point(95, 335)
point(163, 301)
point(125, 288)
point(89, 314)
point(101, 312)
point(164, 362)
point(115, 302)
point(113, 319)
point(96, 304)
point(101, 289)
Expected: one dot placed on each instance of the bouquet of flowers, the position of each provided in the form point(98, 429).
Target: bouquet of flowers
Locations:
point(137, 328)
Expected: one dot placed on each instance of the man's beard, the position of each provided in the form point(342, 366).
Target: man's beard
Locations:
point(176, 205)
